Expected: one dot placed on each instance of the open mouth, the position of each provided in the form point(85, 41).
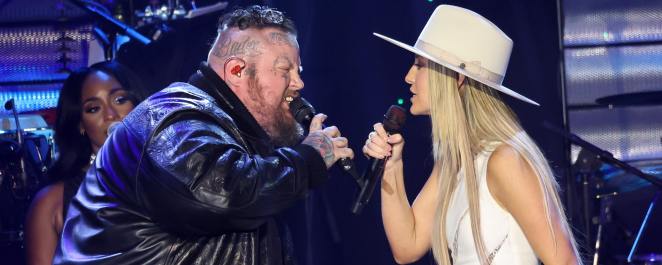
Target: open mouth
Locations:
point(289, 97)
point(287, 101)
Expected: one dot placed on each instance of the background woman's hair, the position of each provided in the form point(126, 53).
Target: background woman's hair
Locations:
point(74, 148)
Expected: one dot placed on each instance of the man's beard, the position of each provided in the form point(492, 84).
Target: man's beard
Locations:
point(279, 124)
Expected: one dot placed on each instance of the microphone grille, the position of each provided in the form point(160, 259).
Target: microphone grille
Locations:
point(9, 104)
point(302, 110)
point(394, 119)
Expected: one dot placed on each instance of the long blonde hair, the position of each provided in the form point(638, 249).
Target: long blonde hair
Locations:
point(463, 121)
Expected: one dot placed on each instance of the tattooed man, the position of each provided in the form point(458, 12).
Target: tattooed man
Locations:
point(198, 172)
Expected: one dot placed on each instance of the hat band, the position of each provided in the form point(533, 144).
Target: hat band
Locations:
point(472, 69)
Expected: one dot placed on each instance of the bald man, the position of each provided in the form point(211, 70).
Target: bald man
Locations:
point(198, 172)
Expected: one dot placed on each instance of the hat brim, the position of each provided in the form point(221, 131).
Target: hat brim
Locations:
point(496, 86)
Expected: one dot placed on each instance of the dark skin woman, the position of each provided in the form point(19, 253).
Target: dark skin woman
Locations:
point(91, 99)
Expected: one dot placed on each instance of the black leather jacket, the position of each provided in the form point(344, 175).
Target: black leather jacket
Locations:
point(188, 177)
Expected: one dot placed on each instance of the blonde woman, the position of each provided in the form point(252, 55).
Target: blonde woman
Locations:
point(491, 197)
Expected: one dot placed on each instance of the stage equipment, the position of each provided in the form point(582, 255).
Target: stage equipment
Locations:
point(607, 197)
point(611, 69)
point(25, 154)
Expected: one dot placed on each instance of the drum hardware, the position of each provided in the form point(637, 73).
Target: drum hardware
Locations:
point(173, 10)
point(604, 155)
point(196, 12)
point(605, 218)
point(616, 180)
point(25, 154)
point(36, 153)
point(114, 26)
point(64, 60)
point(28, 149)
point(111, 31)
point(9, 105)
point(154, 20)
point(606, 199)
point(632, 99)
point(585, 167)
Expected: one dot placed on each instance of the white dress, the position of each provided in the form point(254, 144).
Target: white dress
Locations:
point(504, 240)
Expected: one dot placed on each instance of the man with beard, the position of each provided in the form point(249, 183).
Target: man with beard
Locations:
point(198, 172)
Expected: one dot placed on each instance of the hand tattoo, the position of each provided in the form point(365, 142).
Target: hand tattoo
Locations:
point(323, 144)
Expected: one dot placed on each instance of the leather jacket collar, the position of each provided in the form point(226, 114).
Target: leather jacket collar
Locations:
point(207, 80)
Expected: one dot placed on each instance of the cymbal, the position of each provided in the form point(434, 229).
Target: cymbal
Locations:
point(632, 99)
point(617, 180)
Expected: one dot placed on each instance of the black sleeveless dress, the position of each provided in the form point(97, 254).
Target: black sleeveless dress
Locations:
point(70, 188)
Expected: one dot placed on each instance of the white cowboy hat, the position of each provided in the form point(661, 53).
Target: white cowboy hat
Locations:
point(467, 43)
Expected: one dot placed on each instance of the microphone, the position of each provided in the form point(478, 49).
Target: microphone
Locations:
point(303, 113)
point(393, 121)
point(9, 105)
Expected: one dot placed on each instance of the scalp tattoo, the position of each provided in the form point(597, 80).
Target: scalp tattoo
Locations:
point(248, 47)
point(279, 38)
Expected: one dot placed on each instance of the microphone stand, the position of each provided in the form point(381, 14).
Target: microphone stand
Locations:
point(584, 170)
point(606, 201)
point(9, 105)
point(609, 158)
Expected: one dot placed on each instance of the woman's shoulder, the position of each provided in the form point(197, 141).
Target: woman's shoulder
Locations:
point(509, 176)
point(49, 198)
point(506, 162)
point(503, 153)
point(43, 223)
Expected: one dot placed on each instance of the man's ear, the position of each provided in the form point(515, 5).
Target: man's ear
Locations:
point(233, 71)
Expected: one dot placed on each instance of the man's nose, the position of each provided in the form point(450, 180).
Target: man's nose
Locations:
point(296, 83)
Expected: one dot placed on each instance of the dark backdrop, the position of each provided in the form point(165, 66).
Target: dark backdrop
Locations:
point(353, 77)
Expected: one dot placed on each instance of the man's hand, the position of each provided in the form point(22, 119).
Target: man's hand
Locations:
point(327, 141)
